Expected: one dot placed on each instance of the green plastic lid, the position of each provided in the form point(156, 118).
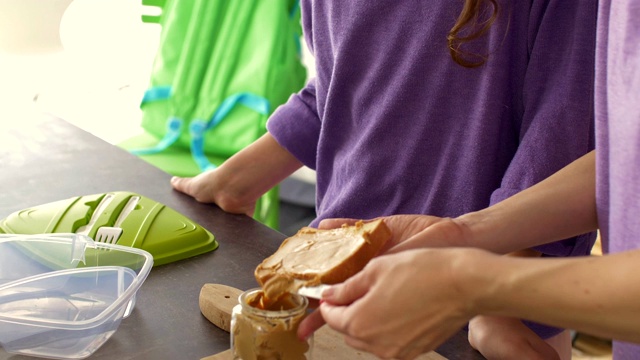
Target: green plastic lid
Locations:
point(120, 217)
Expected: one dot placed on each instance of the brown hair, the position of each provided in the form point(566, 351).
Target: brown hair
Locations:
point(473, 22)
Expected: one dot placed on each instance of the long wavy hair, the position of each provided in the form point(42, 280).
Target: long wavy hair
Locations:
point(474, 21)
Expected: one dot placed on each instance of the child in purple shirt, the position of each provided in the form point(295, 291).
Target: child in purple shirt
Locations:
point(598, 295)
point(392, 124)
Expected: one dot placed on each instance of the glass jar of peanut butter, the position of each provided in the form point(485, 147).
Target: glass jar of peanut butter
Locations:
point(269, 332)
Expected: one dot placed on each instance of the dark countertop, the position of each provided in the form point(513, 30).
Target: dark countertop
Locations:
point(47, 159)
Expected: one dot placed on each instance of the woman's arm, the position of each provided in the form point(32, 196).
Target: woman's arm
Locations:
point(557, 117)
point(559, 207)
point(596, 295)
point(408, 303)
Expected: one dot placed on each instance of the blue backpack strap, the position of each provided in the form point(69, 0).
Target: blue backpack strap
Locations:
point(294, 9)
point(198, 127)
point(156, 93)
point(174, 124)
point(174, 128)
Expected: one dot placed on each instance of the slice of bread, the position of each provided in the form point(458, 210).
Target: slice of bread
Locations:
point(313, 257)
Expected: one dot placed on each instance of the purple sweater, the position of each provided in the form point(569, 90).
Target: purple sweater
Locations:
point(393, 125)
point(618, 133)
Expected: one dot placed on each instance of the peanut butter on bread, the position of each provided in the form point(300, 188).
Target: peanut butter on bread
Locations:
point(318, 256)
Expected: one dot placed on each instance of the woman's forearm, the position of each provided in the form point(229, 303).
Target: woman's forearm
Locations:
point(597, 294)
point(559, 207)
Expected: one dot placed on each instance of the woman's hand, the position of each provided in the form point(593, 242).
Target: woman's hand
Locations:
point(408, 232)
point(402, 305)
point(414, 231)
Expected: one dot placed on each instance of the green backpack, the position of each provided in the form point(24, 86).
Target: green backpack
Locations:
point(221, 69)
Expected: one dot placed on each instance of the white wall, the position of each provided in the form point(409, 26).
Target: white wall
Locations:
point(87, 61)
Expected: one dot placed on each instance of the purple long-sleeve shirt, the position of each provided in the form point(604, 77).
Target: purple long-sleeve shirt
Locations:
point(393, 125)
point(618, 133)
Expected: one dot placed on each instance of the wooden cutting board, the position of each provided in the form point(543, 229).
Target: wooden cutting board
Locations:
point(217, 301)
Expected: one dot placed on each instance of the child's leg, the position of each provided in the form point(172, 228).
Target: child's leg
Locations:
point(509, 338)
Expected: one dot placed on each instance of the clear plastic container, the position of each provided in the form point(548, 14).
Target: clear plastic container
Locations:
point(62, 296)
point(269, 334)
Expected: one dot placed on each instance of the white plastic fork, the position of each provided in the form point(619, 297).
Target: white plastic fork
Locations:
point(84, 230)
point(111, 234)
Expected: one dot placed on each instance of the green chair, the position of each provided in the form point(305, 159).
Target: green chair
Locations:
point(221, 69)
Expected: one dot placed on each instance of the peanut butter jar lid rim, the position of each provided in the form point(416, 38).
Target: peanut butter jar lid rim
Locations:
point(301, 301)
